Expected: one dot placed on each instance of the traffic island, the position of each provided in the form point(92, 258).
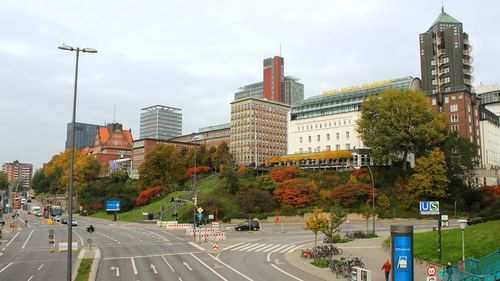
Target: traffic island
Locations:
point(87, 264)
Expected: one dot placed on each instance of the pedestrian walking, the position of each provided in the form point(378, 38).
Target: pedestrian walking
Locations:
point(449, 271)
point(386, 267)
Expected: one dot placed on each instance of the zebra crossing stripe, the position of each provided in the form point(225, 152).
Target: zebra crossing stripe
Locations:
point(261, 246)
point(287, 248)
point(241, 247)
point(247, 246)
point(256, 246)
point(280, 248)
point(272, 248)
point(267, 246)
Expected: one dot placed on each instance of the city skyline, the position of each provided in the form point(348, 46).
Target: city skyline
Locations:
point(153, 55)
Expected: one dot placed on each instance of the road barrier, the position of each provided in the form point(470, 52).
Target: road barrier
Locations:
point(178, 226)
point(206, 237)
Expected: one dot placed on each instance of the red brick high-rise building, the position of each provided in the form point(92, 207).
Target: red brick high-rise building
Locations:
point(274, 77)
point(19, 171)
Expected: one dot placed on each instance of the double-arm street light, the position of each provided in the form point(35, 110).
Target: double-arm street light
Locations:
point(72, 160)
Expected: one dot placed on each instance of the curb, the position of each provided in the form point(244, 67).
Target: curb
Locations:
point(84, 253)
point(95, 265)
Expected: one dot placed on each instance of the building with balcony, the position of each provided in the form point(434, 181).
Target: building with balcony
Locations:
point(446, 69)
point(19, 171)
point(211, 136)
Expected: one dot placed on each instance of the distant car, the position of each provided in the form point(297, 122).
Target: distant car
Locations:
point(37, 213)
point(74, 222)
point(248, 225)
point(64, 220)
point(23, 200)
point(58, 218)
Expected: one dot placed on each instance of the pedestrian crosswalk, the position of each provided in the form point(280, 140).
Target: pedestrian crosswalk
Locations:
point(264, 248)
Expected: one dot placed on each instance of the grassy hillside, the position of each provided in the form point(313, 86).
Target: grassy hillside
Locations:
point(136, 213)
point(480, 240)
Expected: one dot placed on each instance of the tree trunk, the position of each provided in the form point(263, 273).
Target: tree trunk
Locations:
point(405, 156)
point(315, 238)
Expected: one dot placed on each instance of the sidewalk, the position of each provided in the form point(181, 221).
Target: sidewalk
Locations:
point(371, 251)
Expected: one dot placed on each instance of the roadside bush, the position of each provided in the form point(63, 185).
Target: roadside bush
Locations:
point(149, 195)
point(351, 195)
point(283, 173)
point(296, 192)
point(256, 201)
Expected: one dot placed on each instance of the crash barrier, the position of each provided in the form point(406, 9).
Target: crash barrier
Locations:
point(189, 232)
point(485, 269)
point(178, 226)
point(218, 236)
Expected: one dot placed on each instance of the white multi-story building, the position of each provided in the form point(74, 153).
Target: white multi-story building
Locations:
point(489, 96)
point(328, 122)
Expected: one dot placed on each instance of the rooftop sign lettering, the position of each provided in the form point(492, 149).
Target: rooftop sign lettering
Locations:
point(356, 88)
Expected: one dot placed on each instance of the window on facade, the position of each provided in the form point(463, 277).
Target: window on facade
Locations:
point(446, 80)
point(337, 147)
point(337, 136)
point(433, 101)
point(300, 150)
point(318, 137)
point(447, 89)
point(454, 118)
point(347, 135)
point(453, 107)
point(446, 60)
point(309, 149)
point(328, 148)
point(309, 138)
point(347, 146)
point(446, 99)
point(327, 137)
point(433, 62)
point(300, 139)
point(434, 82)
point(318, 149)
point(433, 72)
point(454, 128)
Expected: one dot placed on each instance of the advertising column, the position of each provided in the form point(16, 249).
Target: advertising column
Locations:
point(402, 252)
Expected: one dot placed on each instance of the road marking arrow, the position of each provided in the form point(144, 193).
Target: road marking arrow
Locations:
point(277, 261)
point(187, 265)
point(117, 270)
point(153, 267)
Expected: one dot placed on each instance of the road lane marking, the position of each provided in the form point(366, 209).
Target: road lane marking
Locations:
point(156, 234)
point(153, 267)
point(244, 247)
point(295, 248)
point(286, 273)
point(30, 278)
point(168, 263)
point(27, 239)
point(209, 268)
point(133, 265)
point(150, 256)
point(228, 266)
point(81, 239)
point(187, 265)
point(197, 246)
point(41, 266)
point(262, 246)
point(12, 239)
point(235, 245)
point(179, 278)
point(5, 267)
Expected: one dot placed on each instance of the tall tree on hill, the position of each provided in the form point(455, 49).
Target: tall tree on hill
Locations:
point(399, 122)
point(429, 180)
point(461, 158)
point(161, 167)
point(222, 157)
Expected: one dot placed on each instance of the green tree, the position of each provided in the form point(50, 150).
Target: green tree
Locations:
point(231, 181)
point(222, 157)
point(399, 122)
point(383, 203)
point(207, 158)
point(367, 212)
point(461, 157)
point(429, 180)
point(256, 201)
point(87, 170)
point(161, 167)
point(265, 182)
point(4, 183)
point(335, 218)
point(315, 222)
point(40, 183)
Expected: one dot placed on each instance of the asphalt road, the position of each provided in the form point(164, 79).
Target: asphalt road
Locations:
point(131, 251)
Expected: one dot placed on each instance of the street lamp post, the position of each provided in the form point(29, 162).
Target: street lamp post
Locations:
point(373, 195)
point(72, 158)
point(463, 224)
point(195, 138)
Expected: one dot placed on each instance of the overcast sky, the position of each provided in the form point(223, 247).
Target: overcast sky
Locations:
point(194, 55)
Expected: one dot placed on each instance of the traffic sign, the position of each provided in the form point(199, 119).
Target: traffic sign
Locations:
point(112, 205)
point(215, 246)
point(431, 270)
point(200, 210)
point(429, 207)
point(200, 215)
point(431, 278)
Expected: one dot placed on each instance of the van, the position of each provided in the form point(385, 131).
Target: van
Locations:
point(36, 210)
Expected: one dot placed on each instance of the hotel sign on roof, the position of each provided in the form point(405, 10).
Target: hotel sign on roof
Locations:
point(357, 88)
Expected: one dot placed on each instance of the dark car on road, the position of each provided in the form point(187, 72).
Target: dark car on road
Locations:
point(248, 225)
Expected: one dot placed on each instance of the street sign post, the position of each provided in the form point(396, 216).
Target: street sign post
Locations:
point(429, 207)
point(200, 210)
point(112, 205)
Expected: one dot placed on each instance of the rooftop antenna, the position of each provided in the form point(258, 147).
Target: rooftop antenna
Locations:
point(114, 113)
point(280, 49)
point(442, 6)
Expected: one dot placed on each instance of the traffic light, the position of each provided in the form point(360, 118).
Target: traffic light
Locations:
point(172, 200)
point(175, 215)
point(90, 229)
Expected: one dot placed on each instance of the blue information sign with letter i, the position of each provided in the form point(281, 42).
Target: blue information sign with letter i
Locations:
point(112, 205)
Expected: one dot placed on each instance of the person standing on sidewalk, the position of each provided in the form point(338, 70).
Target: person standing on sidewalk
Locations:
point(386, 267)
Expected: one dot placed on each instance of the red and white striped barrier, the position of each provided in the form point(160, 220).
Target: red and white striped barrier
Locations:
point(189, 232)
point(205, 237)
point(178, 226)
